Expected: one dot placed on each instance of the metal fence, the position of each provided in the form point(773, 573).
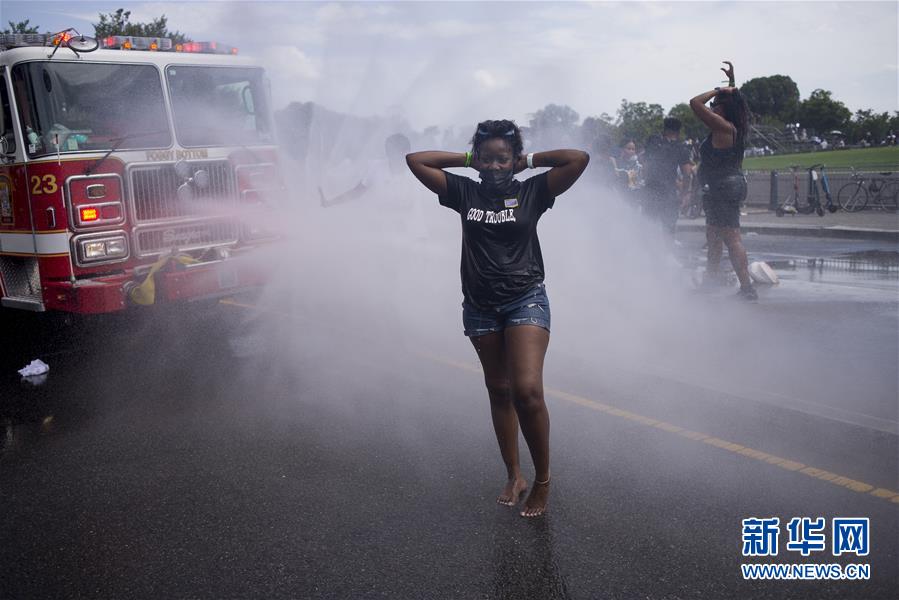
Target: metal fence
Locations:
point(771, 188)
point(886, 266)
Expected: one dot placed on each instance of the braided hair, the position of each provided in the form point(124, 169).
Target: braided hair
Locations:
point(502, 129)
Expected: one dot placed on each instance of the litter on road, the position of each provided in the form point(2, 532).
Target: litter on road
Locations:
point(761, 272)
point(34, 368)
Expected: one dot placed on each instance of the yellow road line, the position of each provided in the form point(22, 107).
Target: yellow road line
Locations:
point(790, 465)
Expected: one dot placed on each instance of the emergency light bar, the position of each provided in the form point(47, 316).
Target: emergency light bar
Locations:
point(115, 42)
point(18, 40)
point(205, 48)
point(129, 42)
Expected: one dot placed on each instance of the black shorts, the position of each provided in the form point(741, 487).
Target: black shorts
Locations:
point(721, 201)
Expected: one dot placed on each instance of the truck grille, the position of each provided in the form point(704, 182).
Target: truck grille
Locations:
point(155, 240)
point(154, 191)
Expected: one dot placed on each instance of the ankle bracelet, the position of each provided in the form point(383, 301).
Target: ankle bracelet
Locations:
point(543, 482)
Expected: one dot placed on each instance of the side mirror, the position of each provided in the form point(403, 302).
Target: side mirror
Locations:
point(7, 144)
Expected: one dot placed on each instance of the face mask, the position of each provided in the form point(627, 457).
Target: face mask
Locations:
point(498, 181)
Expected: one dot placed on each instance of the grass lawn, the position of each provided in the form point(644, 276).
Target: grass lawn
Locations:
point(862, 158)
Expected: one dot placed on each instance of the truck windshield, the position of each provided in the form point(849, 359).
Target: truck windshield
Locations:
point(77, 106)
point(219, 106)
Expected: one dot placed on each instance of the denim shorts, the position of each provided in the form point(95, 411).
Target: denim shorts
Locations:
point(531, 308)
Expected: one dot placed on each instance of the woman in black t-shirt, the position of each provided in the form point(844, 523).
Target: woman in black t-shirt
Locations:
point(721, 177)
point(505, 310)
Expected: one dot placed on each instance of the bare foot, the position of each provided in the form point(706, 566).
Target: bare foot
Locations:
point(512, 491)
point(535, 505)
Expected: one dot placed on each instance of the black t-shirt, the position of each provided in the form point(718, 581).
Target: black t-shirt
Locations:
point(662, 159)
point(501, 258)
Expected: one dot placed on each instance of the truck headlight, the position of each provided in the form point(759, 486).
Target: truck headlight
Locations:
point(116, 247)
point(98, 249)
point(93, 249)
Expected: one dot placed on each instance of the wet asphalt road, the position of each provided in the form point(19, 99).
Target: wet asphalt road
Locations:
point(180, 456)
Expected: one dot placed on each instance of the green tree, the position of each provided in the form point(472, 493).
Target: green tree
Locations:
point(822, 113)
point(639, 120)
point(866, 122)
point(691, 126)
point(118, 23)
point(595, 127)
point(21, 27)
point(554, 124)
point(554, 116)
point(775, 96)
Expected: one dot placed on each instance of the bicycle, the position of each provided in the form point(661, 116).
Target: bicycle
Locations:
point(855, 195)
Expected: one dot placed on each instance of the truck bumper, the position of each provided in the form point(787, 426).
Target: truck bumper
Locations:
point(173, 283)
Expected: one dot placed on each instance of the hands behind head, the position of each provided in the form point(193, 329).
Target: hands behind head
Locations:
point(520, 165)
point(727, 90)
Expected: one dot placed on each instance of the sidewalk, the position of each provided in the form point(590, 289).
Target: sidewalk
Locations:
point(864, 225)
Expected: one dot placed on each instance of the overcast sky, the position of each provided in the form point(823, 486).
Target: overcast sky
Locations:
point(441, 63)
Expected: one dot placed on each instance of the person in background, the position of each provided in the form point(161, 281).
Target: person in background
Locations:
point(505, 311)
point(721, 178)
point(668, 171)
point(629, 167)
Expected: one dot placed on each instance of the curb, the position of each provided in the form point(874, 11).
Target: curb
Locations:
point(834, 231)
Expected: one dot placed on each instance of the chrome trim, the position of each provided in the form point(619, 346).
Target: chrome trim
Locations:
point(236, 257)
point(75, 222)
point(23, 304)
point(138, 231)
point(91, 187)
point(228, 187)
point(76, 240)
point(192, 266)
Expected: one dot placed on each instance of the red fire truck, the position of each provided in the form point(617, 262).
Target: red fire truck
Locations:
point(132, 170)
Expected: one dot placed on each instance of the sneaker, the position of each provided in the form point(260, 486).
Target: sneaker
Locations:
point(748, 293)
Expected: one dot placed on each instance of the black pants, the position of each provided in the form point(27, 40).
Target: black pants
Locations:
point(663, 207)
